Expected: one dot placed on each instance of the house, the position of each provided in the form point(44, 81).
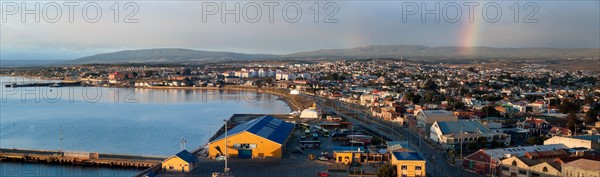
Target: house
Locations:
point(183, 161)
point(486, 161)
point(263, 137)
point(585, 141)
point(535, 125)
point(450, 134)
point(409, 164)
point(581, 167)
point(426, 118)
point(560, 131)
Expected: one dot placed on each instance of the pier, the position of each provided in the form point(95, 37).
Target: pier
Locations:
point(79, 158)
point(58, 84)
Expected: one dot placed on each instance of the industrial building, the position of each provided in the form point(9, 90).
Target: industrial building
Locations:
point(263, 137)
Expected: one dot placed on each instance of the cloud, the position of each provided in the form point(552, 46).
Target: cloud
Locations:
point(180, 24)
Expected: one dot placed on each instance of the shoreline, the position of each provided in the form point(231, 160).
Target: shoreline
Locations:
point(280, 93)
point(293, 103)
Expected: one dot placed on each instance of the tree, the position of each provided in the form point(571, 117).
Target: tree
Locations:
point(590, 117)
point(428, 97)
point(568, 106)
point(490, 111)
point(472, 146)
point(532, 140)
point(572, 121)
point(495, 144)
point(259, 83)
point(387, 170)
point(148, 73)
point(482, 142)
point(187, 71)
point(269, 81)
point(430, 85)
point(471, 69)
point(188, 81)
point(416, 99)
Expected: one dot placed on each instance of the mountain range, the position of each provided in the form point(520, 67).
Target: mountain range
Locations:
point(175, 55)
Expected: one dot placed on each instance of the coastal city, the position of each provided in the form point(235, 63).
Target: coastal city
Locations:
point(376, 117)
point(284, 88)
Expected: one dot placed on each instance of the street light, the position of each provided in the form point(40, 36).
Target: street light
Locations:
point(226, 170)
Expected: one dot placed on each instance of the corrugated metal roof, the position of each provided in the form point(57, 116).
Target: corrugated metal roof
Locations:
point(187, 156)
point(407, 156)
point(466, 126)
point(267, 127)
point(520, 151)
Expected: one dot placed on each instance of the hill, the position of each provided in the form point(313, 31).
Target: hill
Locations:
point(374, 51)
point(165, 56)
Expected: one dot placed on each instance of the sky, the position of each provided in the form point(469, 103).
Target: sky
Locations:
point(75, 29)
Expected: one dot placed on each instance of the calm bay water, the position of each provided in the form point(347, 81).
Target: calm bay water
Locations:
point(117, 120)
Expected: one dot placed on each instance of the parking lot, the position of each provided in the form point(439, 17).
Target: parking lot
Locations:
point(291, 165)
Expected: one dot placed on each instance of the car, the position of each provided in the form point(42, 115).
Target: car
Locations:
point(326, 154)
point(323, 174)
point(220, 158)
point(323, 158)
point(297, 150)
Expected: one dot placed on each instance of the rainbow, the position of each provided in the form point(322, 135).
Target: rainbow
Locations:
point(469, 33)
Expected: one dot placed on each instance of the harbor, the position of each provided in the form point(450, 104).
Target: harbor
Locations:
point(89, 159)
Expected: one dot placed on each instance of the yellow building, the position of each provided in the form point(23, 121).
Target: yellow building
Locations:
point(347, 154)
point(183, 161)
point(523, 166)
point(409, 164)
point(264, 137)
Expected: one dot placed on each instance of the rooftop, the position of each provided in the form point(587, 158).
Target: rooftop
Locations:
point(267, 127)
point(407, 156)
point(593, 138)
point(187, 156)
point(585, 164)
point(462, 126)
point(437, 113)
point(520, 151)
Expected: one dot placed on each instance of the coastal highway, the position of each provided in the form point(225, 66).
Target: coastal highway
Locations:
point(436, 164)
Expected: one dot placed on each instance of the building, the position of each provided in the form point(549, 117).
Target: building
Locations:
point(183, 161)
point(426, 118)
point(581, 167)
point(232, 80)
point(350, 154)
point(399, 146)
point(525, 167)
point(584, 141)
point(310, 113)
point(535, 125)
point(264, 137)
point(449, 134)
point(487, 161)
point(409, 164)
point(346, 155)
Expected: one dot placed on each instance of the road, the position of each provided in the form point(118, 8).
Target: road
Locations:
point(436, 164)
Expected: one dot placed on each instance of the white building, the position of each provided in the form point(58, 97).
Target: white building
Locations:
point(450, 134)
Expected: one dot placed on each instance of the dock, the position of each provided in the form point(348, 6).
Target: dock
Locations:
point(79, 158)
point(58, 84)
